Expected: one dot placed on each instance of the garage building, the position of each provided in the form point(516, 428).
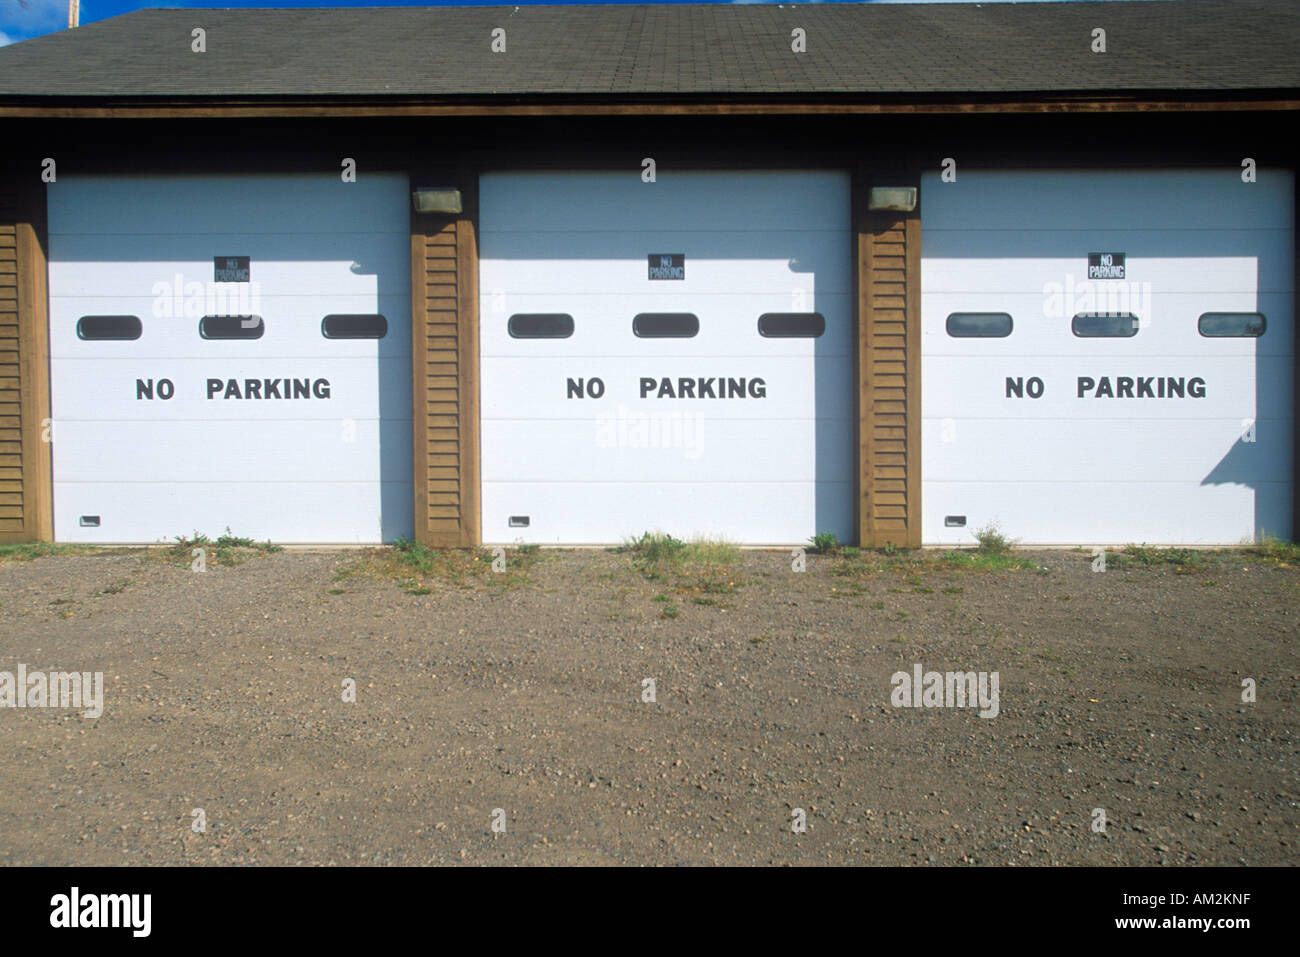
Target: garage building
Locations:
point(565, 274)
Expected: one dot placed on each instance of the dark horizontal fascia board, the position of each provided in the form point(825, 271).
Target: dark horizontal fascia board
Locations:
point(1080, 101)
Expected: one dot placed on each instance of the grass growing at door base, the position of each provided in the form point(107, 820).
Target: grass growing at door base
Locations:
point(227, 549)
point(1140, 556)
point(1276, 550)
point(657, 550)
point(27, 551)
point(993, 542)
point(824, 543)
point(994, 553)
point(702, 568)
point(976, 560)
point(1268, 550)
point(416, 566)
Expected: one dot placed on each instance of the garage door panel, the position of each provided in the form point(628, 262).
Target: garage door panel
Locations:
point(753, 243)
point(1047, 513)
point(290, 204)
point(358, 386)
point(1014, 200)
point(1156, 450)
point(279, 264)
point(615, 511)
point(788, 390)
point(1108, 458)
point(1235, 387)
point(291, 325)
point(672, 446)
point(174, 455)
point(715, 263)
point(1170, 260)
point(728, 325)
point(1168, 325)
point(723, 200)
point(290, 436)
point(321, 512)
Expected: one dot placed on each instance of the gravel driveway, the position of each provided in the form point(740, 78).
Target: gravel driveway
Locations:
point(519, 700)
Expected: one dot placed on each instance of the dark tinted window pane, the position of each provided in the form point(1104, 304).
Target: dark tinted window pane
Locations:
point(665, 325)
point(231, 327)
point(540, 325)
point(108, 327)
point(791, 325)
point(979, 325)
point(1104, 324)
point(354, 327)
point(1231, 324)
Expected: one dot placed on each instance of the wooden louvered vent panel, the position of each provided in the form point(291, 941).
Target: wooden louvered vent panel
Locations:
point(889, 378)
point(12, 513)
point(440, 383)
point(445, 356)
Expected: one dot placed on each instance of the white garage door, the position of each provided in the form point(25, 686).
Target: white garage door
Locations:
point(1051, 413)
point(174, 413)
point(626, 385)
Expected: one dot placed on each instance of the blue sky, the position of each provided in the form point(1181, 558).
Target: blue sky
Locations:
point(22, 19)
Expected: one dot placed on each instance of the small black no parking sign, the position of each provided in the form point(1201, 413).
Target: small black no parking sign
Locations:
point(667, 265)
point(230, 268)
point(1105, 265)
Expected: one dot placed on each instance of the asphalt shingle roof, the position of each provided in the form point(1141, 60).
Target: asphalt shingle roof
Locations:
point(628, 51)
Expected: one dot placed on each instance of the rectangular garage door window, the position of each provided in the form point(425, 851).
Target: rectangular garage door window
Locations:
point(540, 325)
point(1088, 325)
point(354, 327)
point(791, 325)
point(231, 327)
point(1218, 325)
point(665, 325)
point(979, 325)
point(108, 327)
